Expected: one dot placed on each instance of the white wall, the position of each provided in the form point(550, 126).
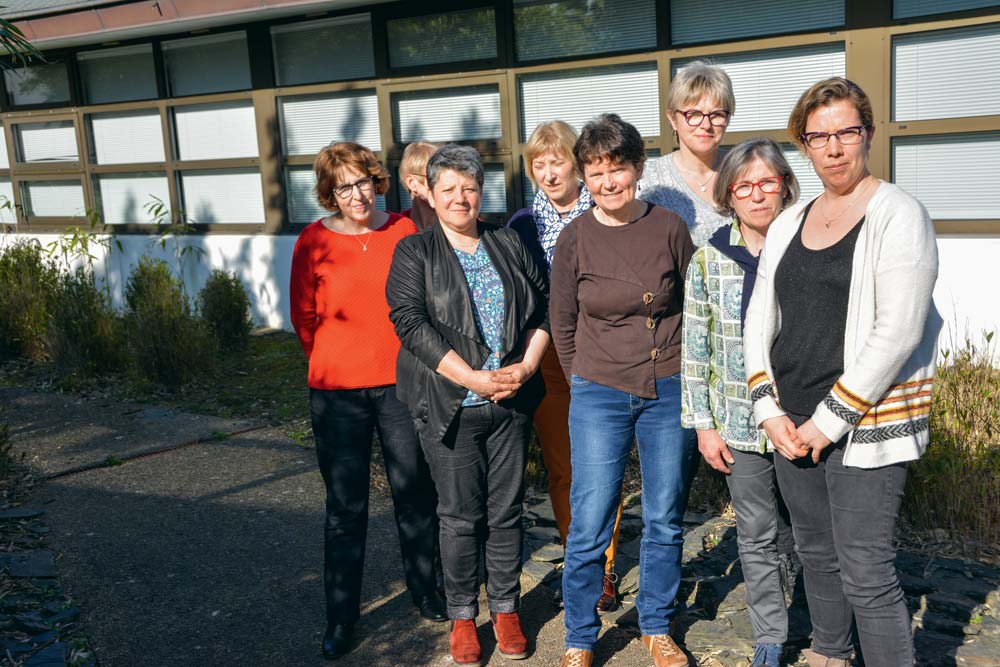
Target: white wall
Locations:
point(966, 291)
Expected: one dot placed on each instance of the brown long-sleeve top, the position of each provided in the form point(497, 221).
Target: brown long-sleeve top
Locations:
point(616, 299)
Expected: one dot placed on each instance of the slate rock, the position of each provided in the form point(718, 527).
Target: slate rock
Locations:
point(980, 652)
point(20, 513)
point(630, 548)
point(64, 616)
point(952, 605)
point(53, 655)
point(27, 564)
point(31, 621)
point(538, 570)
point(548, 553)
point(705, 636)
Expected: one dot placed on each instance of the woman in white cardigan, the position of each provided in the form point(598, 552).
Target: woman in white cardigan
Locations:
point(840, 343)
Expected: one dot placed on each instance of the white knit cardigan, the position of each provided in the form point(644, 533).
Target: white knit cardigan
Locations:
point(883, 398)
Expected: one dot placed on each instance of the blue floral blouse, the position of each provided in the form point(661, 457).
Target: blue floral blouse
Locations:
point(487, 295)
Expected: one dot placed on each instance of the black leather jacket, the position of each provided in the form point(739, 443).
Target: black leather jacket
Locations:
point(431, 308)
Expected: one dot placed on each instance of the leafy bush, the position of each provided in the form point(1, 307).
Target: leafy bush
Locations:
point(86, 337)
point(225, 307)
point(956, 484)
point(168, 344)
point(28, 285)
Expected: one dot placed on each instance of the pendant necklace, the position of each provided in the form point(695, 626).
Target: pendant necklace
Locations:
point(829, 221)
point(364, 244)
point(701, 185)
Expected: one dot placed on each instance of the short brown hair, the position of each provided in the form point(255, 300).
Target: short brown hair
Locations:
point(822, 94)
point(415, 159)
point(554, 136)
point(342, 154)
point(608, 136)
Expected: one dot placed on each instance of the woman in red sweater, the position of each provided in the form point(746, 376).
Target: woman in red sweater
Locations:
point(340, 314)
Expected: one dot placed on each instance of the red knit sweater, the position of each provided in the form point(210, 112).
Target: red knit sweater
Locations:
point(338, 304)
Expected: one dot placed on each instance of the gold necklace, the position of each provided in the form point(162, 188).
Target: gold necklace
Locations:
point(711, 175)
point(364, 244)
point(829, 221)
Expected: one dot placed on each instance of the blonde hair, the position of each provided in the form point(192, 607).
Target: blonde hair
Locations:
point(822, 94)
point(554, 136)
point(346, 154)
point(415, 157)
point(700, 79)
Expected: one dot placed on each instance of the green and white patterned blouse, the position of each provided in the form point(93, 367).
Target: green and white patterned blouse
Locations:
point(714, 390)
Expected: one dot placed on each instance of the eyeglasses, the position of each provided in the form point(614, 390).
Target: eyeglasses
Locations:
point(769, 186)
point(364, 186)
point(847, 136)
point(694, 117)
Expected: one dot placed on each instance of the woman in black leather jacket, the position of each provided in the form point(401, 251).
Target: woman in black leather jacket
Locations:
point(470, 309)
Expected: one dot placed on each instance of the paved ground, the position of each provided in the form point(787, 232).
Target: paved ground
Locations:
point(210, 554)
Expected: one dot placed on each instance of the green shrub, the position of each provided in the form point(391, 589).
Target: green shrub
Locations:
point(956, 484)
point(28, 285)
point(167, 343)
point(86, 336)
point(225, 307)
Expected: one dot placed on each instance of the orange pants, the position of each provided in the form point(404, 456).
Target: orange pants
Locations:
point(552, 424)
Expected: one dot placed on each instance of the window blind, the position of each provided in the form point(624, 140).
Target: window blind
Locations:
point(810, 186)
point(494, 191)
point(309, 123)
point(216, 131)
point(954, 176)
point(458, 36)
point(47, 142)
point(579, 95)
point(902, 9)
point(544, 30)
point(7, 216)
point(126, 137)
point(692, 21)
point(118, 75)
point(946, 74)
point(37, 84)
point(325, 50)
point(52, 198)
point(455, 114)
point(767, 84)
point(232, 196)
point(300, 189)
point(122, 198)
point(4, 158)
point(210, 64)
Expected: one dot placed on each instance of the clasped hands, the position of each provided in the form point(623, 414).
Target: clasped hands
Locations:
point(794, 443)
point(497, 385)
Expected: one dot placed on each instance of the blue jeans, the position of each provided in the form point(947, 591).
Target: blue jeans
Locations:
point(603, 424)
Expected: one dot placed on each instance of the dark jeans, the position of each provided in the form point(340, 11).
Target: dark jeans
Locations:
point(478, 470)
point(343, 422)
point(844, 519)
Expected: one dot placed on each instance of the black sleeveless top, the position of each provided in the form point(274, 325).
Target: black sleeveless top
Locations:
point(812, 288)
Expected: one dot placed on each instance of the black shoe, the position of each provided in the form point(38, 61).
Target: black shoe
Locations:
point(432, 608)
point(337, 641)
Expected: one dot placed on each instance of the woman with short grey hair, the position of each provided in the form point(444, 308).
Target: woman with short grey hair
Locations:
point(755, 183)
point(469, 306)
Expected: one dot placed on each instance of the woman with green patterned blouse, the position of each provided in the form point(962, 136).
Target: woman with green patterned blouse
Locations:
point(754, 184)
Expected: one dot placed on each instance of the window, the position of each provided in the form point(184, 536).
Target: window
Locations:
point(936, 170)
point(231, 196)
point(38, 84)
point(455, 114)
point(126, 137)
point(216, 131)
point(7, 216)
point(300, 188)
point(565, 28)
point(579, 95)
point(809, 184)
point(4, 158)
point(54, 141)
point(118, 75)
point(59, 199)
point(902, 9)
point(326, 50)
point(946, 74)
point(767, 84)
point(210, 64)
point(122, 198)
point(494, 191)
point(691, 21)
point(443, 38)
point(309, 123)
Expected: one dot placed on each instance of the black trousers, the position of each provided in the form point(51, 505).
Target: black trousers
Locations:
point(343, 422)
point(479, 473)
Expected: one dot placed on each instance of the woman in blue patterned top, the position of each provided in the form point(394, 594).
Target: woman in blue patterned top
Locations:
point(469, 304)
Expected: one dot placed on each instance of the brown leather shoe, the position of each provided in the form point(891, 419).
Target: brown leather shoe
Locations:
point(577, 657)
point(464, 641)
point(511, 642)
point(814, 659)
point(664, 651)
point(608, 601)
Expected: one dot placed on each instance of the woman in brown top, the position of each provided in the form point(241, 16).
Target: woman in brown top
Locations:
point(615, 312)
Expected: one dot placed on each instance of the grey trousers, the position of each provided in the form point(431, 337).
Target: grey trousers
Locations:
point(844, 519)
point(753, 489)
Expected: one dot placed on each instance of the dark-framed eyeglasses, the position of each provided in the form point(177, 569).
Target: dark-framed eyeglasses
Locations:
point(364, 185)
point(769, 185)
point(847, 136)
point(693, 117)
